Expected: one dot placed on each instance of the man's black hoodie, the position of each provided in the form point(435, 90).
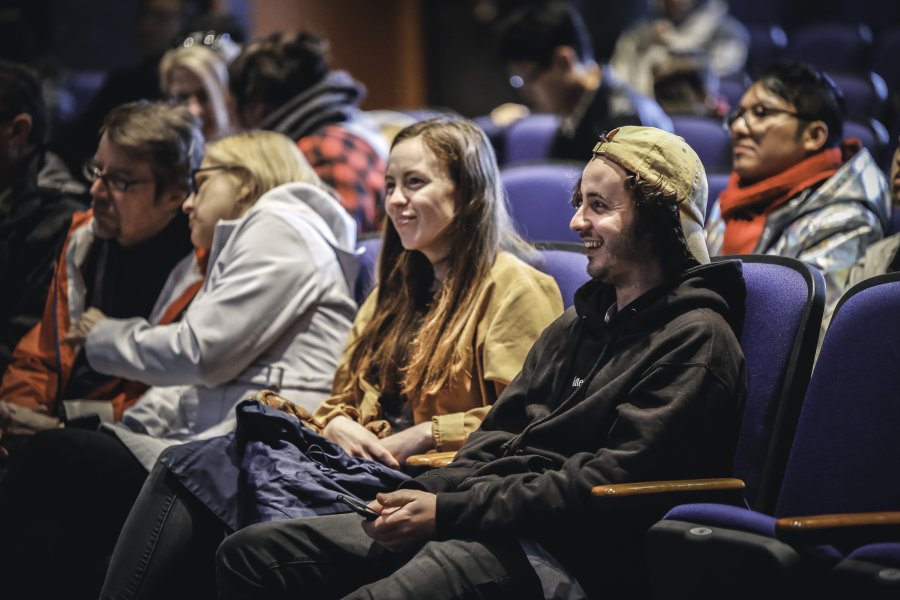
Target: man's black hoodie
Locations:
point(662, 401)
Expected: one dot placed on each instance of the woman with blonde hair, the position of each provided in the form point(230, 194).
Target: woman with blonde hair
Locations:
point(274, 312)
point(196, 74)
point(433, 346)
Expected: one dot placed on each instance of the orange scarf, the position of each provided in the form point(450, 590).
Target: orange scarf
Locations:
point(745, 208)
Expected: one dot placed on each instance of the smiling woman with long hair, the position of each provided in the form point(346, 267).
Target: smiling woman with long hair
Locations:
point(446, 329)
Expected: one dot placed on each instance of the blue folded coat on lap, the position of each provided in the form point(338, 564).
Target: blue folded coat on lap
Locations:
point(272, 467)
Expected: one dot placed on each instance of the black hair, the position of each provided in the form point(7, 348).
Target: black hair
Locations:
point(20, 92)
point(812, 92)
point(277, 68)
point(534, 32)
point(657, 216)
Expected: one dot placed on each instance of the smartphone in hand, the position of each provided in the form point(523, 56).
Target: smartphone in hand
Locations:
point(358, 507)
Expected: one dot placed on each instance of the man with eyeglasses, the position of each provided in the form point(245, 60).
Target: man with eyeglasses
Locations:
point(548, 53)
point(797, 190)
point(117, 258)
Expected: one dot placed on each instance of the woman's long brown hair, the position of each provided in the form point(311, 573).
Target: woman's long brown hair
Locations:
point(412, 345)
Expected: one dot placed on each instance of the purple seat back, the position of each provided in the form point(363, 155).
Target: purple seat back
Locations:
point(708, 138)
point(865, 94)
point(783, 311)
point(717, 182)
point(832, 46)
point(529, 138)
point(567, 264)
point(368, 263)
point(846, 451)
point(540, 198)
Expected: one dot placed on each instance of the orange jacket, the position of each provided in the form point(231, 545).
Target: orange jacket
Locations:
point(42, 364)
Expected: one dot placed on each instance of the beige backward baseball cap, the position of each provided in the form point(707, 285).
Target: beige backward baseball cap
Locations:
point(666, 159)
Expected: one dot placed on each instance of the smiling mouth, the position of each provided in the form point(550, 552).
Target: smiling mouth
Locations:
point(592, 244)
point(403, 220)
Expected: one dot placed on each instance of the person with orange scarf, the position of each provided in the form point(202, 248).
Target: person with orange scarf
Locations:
point(796, 189)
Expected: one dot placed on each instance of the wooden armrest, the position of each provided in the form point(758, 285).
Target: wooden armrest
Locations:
point(642, 494)
point(431, 460)
point(849, 528)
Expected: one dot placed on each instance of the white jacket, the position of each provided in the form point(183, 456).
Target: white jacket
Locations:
point(274, 312)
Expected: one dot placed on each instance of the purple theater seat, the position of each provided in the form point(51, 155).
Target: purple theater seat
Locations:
point(540, 198)
point(832, 46)
point(865, 94)
point(708, 138)
point(529, 138)
point(567, 264)
point(844, 458)
point(717, 182)
point(368, 249)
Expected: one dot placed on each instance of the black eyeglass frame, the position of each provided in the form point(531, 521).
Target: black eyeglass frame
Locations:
point(740, 113)
point(112, 182)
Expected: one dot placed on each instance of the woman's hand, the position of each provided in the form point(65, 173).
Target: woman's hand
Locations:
point(80, 330)
point(415, 440)
point(356, 440)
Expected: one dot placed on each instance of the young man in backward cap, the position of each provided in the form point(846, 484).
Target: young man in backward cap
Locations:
point(643, 379)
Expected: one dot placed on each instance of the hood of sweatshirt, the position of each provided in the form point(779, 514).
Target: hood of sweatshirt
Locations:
point(718, 286)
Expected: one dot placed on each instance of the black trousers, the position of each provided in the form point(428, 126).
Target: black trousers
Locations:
point(63, 501)
point(167, 547)
point(332, 557)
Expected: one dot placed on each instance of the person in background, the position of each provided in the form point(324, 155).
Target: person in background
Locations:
point(682, 27)
point(684, 85)
point(157, 26)
point(796, 189)
point(431, 349)
point(548, 53)
point(274, 311)
point(642, 380)
point(196, 74)
point(883, 256)
point(38, 197)
point(284, 83)
point(116, 257)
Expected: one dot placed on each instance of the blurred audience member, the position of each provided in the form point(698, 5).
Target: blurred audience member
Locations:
point(274, 311)
point(283, 83)
point(117, 258)
point(883, 257)
point(159, 23)
point(547, 51)
point(196, 74)
point(684, 85)
point(682, 27)
point(37, 199)
point(796, 190)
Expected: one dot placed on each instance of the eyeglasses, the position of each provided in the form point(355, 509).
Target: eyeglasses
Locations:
point(756, 113)
point(195, 185)
point(112, 182)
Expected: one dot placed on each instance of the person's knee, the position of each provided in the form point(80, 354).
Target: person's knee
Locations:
point(238, 551)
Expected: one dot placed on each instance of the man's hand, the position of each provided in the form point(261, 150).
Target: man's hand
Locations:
point(80, 330)
point(18, 424)
point(407, 519)
point(508, 113)
point(356, 440)
point(414, 440)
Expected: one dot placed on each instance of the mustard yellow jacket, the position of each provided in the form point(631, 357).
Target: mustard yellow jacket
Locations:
point(515, 303)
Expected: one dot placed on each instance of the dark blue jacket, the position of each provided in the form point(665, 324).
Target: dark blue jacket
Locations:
point(272, 467)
